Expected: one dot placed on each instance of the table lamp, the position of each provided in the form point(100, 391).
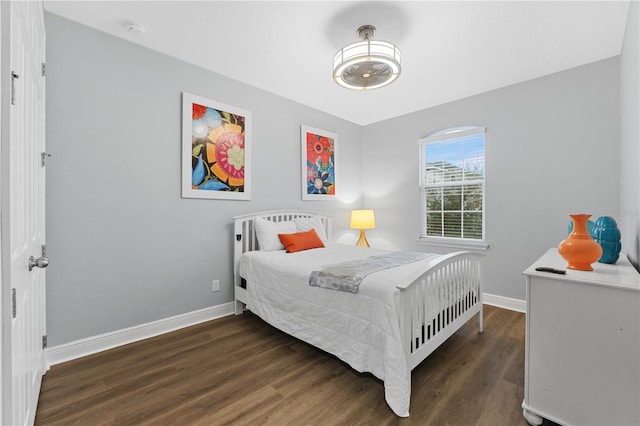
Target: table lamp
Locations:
point(362, 219)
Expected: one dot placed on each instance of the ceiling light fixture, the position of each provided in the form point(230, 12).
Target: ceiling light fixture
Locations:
point(366, 64)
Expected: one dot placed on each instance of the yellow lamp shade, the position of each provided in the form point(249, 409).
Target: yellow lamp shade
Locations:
point(362, 219)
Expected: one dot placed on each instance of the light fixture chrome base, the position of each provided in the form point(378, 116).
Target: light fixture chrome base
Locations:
point(366, 32)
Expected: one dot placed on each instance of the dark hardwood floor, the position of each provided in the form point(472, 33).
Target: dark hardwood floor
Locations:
point(239, 370)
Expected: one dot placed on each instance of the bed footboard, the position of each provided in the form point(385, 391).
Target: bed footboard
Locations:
point(438, 303)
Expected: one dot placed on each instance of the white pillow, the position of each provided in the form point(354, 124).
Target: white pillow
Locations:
point(267, 233)
point(314, 222)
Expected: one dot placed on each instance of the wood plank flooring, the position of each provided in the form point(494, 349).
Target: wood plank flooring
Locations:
point(238, 370)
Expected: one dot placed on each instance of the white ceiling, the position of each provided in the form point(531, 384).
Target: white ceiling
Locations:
point(450, 49)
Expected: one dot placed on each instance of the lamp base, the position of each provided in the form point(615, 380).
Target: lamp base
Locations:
point(362, 241)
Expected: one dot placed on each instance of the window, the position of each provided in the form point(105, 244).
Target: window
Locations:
point(452, 186)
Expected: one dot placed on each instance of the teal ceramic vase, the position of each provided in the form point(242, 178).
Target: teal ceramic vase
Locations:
point(606, 233)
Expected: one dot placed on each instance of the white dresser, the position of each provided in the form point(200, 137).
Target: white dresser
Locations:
point(582, 358)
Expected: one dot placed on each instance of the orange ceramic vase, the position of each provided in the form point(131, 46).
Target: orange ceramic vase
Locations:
point(580, 250)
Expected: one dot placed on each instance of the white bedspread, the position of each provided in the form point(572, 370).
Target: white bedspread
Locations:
point(361, 329)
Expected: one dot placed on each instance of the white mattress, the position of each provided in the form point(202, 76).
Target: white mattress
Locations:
point(362, 329)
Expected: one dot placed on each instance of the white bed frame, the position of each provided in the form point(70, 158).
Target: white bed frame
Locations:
point(454, 276)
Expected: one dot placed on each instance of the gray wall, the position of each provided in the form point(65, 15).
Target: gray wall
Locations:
point(125, 248)
point(629, 215)
point(551, 149)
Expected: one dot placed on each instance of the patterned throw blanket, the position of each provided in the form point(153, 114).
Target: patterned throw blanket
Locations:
point(347, 276)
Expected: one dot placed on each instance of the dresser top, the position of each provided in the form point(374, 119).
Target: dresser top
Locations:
point(622, 274)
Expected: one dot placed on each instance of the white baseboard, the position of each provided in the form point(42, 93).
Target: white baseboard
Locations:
point(505, 302)
point(91, 345)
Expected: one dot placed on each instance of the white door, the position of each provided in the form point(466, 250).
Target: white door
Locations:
point(23, 206)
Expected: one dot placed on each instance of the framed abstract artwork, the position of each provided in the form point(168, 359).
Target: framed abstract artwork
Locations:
point(216, 150)
point(318, 149)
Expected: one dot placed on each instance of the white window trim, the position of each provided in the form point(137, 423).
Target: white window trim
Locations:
point(463, 243)
point(452, 134)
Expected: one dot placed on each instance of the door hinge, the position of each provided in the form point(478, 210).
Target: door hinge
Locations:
point(44, 342)
point(14, 77)
point(13, 303)
point(44, 69)
point(43, 158)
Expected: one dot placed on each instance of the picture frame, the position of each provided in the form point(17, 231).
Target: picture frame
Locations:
point(216, 150)
point(319, 154)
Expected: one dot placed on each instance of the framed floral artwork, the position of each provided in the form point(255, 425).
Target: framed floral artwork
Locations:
point(216, 143)
point(318, 163)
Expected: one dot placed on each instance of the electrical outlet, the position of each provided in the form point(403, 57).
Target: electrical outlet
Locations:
point(215, 285)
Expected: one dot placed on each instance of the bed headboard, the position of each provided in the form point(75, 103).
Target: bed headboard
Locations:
point(244, 233)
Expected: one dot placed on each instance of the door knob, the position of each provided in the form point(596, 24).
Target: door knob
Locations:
point(41, 262)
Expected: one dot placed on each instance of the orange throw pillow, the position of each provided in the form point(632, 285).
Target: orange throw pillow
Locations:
point(301, 241)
